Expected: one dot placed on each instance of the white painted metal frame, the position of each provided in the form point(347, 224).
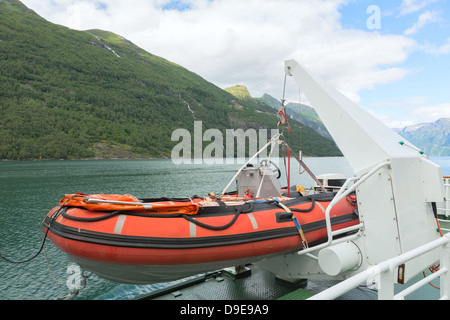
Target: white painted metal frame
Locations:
point(445, 209)
point(395, 205)
point(341, 194)
point(271, 142)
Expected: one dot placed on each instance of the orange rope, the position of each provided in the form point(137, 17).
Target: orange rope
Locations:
point(434, 268)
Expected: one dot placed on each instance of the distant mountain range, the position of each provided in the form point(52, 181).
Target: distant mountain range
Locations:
point(432, 138)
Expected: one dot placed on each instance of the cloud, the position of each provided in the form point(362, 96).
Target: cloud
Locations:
point(438, 50)
point(424, 19)
point(409, 111)
point(231, 42)
point(391, 122)
point(414, 102)
point(410, 6)
point(432, 113)
point(121, 17)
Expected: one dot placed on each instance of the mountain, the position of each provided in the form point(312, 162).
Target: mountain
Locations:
point(307, 115)
point(270, 101)
point(302, 113)
point(301, 137)
point(239, 91)
point(432, 138)
point(67, 94)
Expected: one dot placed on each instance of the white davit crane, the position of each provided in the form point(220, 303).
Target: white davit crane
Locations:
point(396, 186)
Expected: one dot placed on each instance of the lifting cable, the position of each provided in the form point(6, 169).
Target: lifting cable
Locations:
point(283, 121)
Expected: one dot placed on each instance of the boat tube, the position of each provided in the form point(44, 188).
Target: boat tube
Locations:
point(142, 241)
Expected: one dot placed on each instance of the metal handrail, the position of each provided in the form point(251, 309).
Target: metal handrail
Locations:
point(385, 271)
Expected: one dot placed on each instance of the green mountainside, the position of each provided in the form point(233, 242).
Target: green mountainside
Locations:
point(302, 113)
point(67, 94)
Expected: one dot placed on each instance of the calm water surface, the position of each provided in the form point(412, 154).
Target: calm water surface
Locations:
point(29, 189)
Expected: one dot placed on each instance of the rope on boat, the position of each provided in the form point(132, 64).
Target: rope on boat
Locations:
point(29, 259)
point(53, 218)
point(313, 204)
point(95, 219)
point(239, 210)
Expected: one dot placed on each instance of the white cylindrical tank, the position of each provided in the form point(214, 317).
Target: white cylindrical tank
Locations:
point(339, 258)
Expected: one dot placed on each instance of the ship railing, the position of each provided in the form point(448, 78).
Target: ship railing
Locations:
point(443, 208)
point(341, 194)
point(385, 272)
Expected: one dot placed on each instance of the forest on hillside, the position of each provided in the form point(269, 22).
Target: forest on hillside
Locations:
point(67, 94)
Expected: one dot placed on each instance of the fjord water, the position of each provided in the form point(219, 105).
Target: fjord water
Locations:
point(29, 189)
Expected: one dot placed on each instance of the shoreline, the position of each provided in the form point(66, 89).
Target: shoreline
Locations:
point(82, 159)
point(137, 158)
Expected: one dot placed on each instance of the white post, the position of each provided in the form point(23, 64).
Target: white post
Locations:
point(447, 196)
point(386, 290)
point(445, 263)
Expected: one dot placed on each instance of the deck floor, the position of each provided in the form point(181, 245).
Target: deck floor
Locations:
point(259, 285)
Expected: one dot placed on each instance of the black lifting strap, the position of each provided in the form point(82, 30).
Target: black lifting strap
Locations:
point(239, 210)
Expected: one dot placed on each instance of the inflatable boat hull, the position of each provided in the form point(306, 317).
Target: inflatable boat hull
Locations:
point(142, 247)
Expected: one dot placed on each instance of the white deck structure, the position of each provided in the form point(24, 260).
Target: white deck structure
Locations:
point(396, 186)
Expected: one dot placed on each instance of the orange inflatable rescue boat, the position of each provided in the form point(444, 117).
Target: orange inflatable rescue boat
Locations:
point(141, 241)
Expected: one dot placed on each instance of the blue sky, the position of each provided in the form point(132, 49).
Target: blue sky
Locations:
point(427, 84)
point(397, 69)
point(177, 5)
